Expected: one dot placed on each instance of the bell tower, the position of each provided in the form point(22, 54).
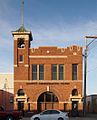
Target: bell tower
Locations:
point(22, 40)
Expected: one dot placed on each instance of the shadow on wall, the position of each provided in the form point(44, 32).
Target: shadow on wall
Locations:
point(6, 100)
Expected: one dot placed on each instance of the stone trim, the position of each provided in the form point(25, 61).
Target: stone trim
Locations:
point(26, 65)
point(48, 81)
point(15, 65)
point(47, 56)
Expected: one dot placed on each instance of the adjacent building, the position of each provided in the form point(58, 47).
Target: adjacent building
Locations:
point(91, 101)
point(46, 77)
point(6, 90)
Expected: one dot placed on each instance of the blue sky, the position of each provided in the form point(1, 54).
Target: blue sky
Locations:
point(52, 22)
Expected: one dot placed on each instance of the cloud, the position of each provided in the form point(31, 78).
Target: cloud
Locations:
point(71, 33)
point(60, 34)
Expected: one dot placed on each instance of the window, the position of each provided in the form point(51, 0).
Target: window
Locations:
point(54, 72)
point(37, 72)
point(74, 71)
point(46, 112)
point(41, 72)
point(20, 92)
point(74, 92)
point(55, 112)
point(61, 72)
point(34, 72)
point(21, 43)
point(57, 72)
point(21, 58)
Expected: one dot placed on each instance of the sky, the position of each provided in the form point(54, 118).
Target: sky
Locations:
point(59, 23)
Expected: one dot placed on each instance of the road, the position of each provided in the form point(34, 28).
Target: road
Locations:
point(88, 117)
point(74, 118)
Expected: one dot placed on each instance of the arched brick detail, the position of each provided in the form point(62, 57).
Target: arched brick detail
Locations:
point(56, 92)
point(39, 92)
point(74, 91)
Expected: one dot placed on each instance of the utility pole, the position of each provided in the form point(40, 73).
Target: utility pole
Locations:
point(85, 76)
point(85, 68)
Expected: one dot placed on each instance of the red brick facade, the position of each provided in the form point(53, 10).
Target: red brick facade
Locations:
point(59, 93)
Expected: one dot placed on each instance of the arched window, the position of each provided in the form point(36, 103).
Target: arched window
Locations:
point(47, 97)
point(74, 92)
point(20, 92)
point(21, 43)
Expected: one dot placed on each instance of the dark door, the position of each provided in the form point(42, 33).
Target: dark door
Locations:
point(74, 108)
point(20, 105)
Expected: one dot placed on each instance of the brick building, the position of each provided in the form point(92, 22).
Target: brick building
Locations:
point(46, 77)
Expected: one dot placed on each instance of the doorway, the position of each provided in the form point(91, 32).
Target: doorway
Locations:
point(20, 105)
point(74, 108)
point(47, 100)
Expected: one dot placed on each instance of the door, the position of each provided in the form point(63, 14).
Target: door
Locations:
point(47, 100)
point(20, 105)
point(74, 108)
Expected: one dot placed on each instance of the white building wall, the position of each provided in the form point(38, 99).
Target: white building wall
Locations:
point(6, 90)
point(7, 82)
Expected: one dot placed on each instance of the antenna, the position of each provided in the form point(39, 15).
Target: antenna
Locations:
point(22, 12)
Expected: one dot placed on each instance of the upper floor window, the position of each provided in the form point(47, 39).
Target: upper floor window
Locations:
point(21, 43)
point(57, 72)
point(34, 72)
point(54, 72)
point(37, 72)
point(41, 72)
point(74, 71)
point(61, 72)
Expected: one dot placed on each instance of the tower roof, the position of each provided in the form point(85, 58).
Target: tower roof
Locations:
point(21, 29)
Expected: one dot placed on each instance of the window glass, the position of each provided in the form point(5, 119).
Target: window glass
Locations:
point(74, 71)
point(74, 92)
point(61, 72)
point(21, 58)
point(41, 72)
point(54, 72)
point(55, 112)
point(34, 72)
point(20, 92)
point(46, 112)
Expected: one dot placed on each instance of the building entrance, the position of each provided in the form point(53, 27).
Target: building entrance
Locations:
point(74, 108)
point(47, 100)
point(20, 105)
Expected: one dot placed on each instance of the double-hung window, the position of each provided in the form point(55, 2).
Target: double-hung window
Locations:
point(74, 71)
point(34, 72)
point(57, 71)
point(37, 72)
point(41, 72)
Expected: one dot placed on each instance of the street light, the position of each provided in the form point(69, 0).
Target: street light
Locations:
point(85, 68)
